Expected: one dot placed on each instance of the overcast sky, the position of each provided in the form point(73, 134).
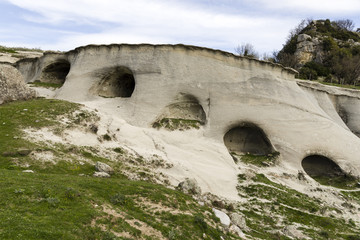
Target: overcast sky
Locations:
point(218, 24)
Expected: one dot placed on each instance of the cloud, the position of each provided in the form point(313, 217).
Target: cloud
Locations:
point(154, 21)
point(342, 7)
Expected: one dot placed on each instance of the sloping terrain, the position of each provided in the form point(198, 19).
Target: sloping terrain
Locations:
point(275, 157)
point(61, 142)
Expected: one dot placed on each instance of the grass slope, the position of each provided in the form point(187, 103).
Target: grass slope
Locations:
point(63, 201)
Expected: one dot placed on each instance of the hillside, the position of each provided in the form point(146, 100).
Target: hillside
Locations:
point(326, 49)
point(158, 141)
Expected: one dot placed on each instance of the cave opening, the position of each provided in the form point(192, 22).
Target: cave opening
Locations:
point(184, 113)
point(56, 72)
point(327, 172)
point(116, 82)
point(248, 138)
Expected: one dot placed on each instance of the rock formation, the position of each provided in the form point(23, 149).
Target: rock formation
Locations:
point(143, 83)
point(12, 85)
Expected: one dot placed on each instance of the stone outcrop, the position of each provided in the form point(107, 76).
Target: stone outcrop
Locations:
point(308, 49)
point(12, 85)
point(231, 91)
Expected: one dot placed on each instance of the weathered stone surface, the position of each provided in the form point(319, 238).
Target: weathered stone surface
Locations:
point(12, 85)
point(222, 84)
point(224, 218)
point(237, 231)
point(24, 151)
point(293, 232)
point(103, 167)
point(190, 186)
point(239, 220)
point(303, 37)
point(101, 174)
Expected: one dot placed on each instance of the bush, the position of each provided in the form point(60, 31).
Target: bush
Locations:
point(308, 73)
point(199, 221)
point(118, 199)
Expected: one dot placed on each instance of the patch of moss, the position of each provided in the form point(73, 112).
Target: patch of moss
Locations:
point(177, 124)
point(38, 83)
point(257, 160)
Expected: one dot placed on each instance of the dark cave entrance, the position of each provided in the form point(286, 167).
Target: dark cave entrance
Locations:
point(55, 72)
point(116, 82)
point(248, 138)
point(320, 166)
point(327, 172)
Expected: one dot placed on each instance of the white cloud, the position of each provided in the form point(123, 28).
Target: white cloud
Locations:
point(156, 21)
point(331, 7)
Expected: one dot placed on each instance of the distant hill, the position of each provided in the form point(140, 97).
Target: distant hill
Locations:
point(326, 49)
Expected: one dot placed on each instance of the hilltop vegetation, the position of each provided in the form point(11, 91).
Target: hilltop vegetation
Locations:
point(324, 48)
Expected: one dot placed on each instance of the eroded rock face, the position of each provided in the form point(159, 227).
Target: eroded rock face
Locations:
point(12, 85)
point(219, 90)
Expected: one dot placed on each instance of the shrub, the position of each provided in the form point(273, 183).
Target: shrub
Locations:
point(307, 73)
point(199, 221)
point(118, 199)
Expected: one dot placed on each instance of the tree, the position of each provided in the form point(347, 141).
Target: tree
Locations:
point(246, 50)
point(345, 24)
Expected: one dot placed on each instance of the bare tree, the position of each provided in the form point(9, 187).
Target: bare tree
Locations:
point(345, 24)
point(246, 50)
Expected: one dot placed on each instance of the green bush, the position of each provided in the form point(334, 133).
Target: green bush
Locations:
point(308, 73)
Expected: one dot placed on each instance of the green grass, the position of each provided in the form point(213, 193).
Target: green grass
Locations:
point(63, 201)
point(343, 182)
point(340, 85)
point(5, 49)
point(45, 84)
point(177, 124)
point(257, 160)
point(61, 206)
point(36, 113)
point(271, 207)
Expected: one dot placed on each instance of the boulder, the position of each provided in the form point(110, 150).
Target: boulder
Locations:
point(238, 220)
point(237, 231)
point(24, 151)
point(224, 218)
point(12, 85)
point(103, 167)
point(303, 37)
point(293, 232)
point(190, 186)
point(28, 171)
point(101, 174)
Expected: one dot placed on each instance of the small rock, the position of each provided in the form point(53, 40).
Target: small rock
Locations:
point(224, 218)
point(24, 151)
point(190, 186)
point(101, 174)
point(237, 231)
point(292, 231)
point(303, 37)
point(94, 128)
point(301, 176)
point(103, 167)
point(238, 220)
point(28, 171)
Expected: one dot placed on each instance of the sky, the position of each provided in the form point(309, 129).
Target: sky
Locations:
point(219, 24)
